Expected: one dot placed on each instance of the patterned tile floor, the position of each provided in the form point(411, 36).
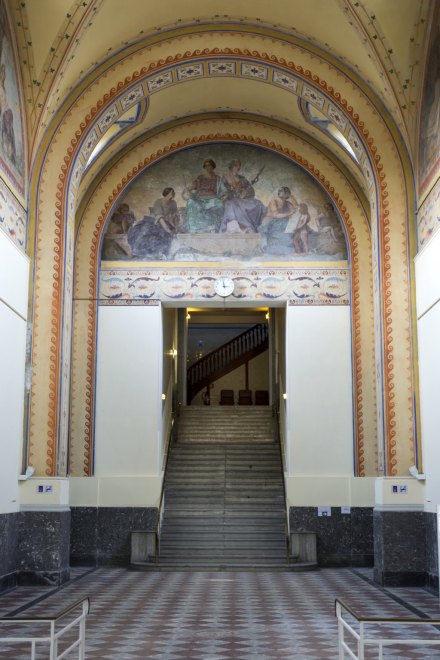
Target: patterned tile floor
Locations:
point(219, 616)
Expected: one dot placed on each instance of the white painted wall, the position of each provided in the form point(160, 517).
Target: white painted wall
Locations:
point(279, 336)
point(427, 265)
point(319, 398)
point(14, 273)
point(169, 373)
point(128, 424)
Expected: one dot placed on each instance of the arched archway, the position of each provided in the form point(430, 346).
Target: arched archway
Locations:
point(386, 179)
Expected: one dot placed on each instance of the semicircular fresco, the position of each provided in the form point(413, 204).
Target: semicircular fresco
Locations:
point(223, 202)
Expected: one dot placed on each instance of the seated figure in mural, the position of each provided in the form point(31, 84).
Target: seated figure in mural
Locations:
point(115, 244)
point(151, 237)
point(7, 122)
point(243, 212)
point(280, 222)
point(329, 240)
point(205, 198)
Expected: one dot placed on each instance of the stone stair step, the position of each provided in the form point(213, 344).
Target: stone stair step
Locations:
point(224, 496)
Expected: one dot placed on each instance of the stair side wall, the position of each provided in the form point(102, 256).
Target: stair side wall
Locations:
point(236, 380)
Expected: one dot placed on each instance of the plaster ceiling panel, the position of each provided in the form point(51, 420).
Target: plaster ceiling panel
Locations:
point(401, 33)
point(105, 36)
point(346, 30)
point(45, 18)
point(222, 94)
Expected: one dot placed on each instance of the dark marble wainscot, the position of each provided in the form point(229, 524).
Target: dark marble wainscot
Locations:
point(43, 546)
point(432, 581)
point(343, 539)
point(100, 536)
point(399, 547)
point(8, 550)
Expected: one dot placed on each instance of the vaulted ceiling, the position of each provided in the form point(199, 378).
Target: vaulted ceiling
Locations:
point(380, 43)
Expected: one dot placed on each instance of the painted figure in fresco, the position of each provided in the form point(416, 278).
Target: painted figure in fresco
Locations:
point(7, 121)
point(283, 205)
point(329, 239)
point(8, 136)
point(205, 198)
point(3, 101)
point(243, 212)
point(280, 222)
point(300, 236)
point(430, 119)
point(116, 245)
point(151, 237)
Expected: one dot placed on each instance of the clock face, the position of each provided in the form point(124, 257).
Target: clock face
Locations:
point(224, 286)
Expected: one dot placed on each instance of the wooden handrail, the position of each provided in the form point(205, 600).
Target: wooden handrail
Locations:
point(227, 357)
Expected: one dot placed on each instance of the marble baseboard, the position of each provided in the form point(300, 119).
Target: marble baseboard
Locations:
point(400, 578)
point(8, 550)
point(431, 543)
point(343, 539)
point(43, 578)
point(43, 547)
point(8, 581)
point(100, 536)
point(400, 548)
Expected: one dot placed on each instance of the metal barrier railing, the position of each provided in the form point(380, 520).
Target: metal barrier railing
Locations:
point(276, 415)
point(378, 641)
point(54, 635)
point(162, 490)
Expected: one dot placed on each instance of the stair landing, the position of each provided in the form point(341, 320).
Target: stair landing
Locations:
point(226, 424)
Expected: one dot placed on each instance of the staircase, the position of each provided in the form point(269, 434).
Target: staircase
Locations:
point(226, 424)
point(224, 497)
point(226, 358)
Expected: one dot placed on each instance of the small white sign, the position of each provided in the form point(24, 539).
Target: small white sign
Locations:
point(44, 488)
point(345, 509)
point(399, 489)
point(325, 511)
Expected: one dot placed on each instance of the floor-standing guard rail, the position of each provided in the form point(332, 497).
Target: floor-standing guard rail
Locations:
point(54, 635)
point(359, 637)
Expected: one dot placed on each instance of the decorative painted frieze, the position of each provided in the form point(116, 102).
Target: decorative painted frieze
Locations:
point(428, 221)
point(299, 286)
point(12, 217)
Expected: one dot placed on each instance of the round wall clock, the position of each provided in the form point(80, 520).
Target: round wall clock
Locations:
point(224, 286)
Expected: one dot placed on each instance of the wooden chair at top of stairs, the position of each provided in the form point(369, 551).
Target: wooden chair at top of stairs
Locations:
point(226, 397)
point(261, 398)
point(244, 397)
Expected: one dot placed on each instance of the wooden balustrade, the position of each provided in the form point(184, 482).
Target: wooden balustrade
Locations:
point(226, 358)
